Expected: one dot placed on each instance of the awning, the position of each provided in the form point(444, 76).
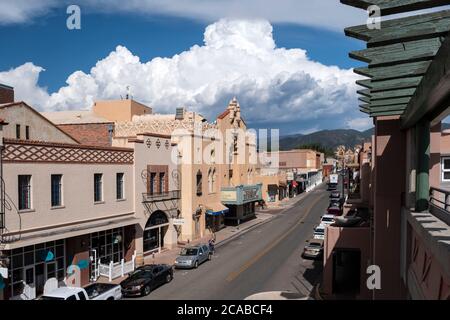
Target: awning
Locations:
point(216, 209)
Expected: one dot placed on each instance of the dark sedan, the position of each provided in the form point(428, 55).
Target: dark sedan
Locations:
point(145, 279)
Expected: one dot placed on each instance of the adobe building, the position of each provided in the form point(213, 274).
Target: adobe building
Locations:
point(405, 231)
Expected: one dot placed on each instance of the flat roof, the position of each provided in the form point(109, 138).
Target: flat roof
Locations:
point(74, 117)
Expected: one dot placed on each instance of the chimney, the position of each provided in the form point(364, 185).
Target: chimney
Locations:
point(6, 94)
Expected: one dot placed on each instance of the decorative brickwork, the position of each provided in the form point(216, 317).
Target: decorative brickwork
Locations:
point(32, 151)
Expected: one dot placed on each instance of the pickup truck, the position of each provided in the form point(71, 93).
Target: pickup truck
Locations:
point(95, 291)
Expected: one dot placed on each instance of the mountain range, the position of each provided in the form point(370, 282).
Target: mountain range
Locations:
point(331, 138)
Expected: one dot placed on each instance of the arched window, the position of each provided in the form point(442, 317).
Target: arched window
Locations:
point(199, 183)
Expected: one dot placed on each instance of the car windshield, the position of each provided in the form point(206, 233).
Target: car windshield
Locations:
point(189, 252)
point(138, 274)
point(51, 298)
point(315, 244)
point(327, 219)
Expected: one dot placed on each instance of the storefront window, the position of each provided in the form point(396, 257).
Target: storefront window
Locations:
point(37, 263)
point(109, 245)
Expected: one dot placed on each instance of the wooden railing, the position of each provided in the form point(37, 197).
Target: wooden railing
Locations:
point(439, 204)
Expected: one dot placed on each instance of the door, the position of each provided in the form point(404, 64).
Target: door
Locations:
point(50, 270)
point(29, 289)
point(201, 255)
point(158, 276)
point(346, 271)
point(94, 264)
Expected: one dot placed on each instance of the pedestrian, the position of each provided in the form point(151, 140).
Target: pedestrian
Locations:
point(211, 245)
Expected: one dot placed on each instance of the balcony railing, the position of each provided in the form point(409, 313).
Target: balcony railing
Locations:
point(439, 204)
point(162, 196)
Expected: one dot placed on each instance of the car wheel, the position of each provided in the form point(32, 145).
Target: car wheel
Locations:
point(169, 278)
point(196, 265)
point(147, 290)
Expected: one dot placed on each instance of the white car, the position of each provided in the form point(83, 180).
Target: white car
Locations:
point(319, 232)
point(95, 291)
point(327, 219)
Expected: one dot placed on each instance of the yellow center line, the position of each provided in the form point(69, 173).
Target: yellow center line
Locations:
point(233, 275)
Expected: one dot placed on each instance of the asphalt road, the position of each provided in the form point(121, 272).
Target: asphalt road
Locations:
point(267, 258)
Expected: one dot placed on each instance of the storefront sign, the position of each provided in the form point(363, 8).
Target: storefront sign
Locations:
point(177, 222)
point(229, 195)
point(251, 194)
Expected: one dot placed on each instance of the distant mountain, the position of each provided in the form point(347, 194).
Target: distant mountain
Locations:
point(327, 138)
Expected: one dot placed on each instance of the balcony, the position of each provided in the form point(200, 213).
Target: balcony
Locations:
point(162, 196)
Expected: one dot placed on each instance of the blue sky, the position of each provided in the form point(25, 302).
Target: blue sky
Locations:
point(42, 39)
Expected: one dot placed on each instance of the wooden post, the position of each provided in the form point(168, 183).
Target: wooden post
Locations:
point(423, 165)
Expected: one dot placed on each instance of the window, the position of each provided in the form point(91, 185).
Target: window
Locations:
point(98, 186)
point(24, 192)
point(119, 186)
point(210, 182)
point(17, 131)
point(199, 183)
point(162, 182)
point(152, 186)
point(445, 162)
point(27, 132)
point(56, 190)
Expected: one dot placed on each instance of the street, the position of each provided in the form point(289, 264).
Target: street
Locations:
point(267, 258)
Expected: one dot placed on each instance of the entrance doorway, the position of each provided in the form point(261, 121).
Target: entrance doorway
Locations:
point(154, 232)
point(346, 271)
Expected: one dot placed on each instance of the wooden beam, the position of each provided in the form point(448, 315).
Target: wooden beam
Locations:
point(395, 6)
point(400, 93)
point(410, 28)
point(366, 83)
point(386, 113)
point(432, 97)
point(389, 102)
point(410, 51)
point(364, 99)
point(399, 107)
point(394, 72)
point(394, 84)
point(364, 92)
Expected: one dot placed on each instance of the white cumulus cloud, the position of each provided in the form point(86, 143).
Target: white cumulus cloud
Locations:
point(238, 58)
point(361, 124)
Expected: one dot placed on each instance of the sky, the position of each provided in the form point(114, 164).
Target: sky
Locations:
point(286, 61)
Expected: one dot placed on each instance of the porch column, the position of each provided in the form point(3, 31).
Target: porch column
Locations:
point(423, 165)
point(388, 191)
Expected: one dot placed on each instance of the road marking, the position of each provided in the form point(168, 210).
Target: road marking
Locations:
point(233, 275)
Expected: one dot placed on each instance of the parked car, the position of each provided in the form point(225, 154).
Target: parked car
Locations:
point(337, 211)
point(192, 257)
point(95, 291)
point(145, 279)
point(327, 219)
point(319, 232)
point(332, 186)
point(335, 195)
point(313, 249)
